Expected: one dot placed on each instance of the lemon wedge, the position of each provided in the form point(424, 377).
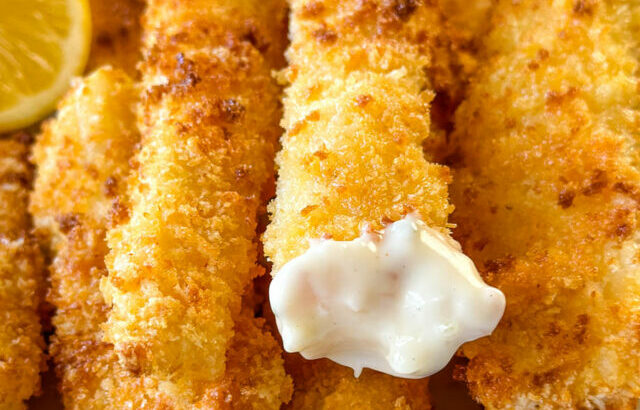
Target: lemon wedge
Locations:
point(43, 44)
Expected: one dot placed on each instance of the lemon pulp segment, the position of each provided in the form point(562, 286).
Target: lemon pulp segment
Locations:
point(43, 44)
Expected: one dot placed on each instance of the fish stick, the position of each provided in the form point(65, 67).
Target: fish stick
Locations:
point(356, 114)
point(83, 159)
point(82, 163)
point(21, 346)
point(547, 203)
point(116, 34)
point(180, 264)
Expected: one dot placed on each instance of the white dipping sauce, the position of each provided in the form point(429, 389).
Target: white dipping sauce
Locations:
point(401, 301)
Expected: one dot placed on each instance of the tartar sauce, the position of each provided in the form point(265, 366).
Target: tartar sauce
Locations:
point(400, 301)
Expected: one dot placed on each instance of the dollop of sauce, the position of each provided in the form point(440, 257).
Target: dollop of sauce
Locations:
point(400, 301)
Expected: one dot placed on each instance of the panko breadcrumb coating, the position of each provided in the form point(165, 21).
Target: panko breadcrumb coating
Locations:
point(21, 346)
point(361, 77)
point(179, 266)
point(547, 203)
point(116, 34)
point(82, 158)
point(322, 384)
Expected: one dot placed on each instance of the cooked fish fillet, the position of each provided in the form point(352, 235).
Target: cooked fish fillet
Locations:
point(547, 203)
point(21, 346)
point(116, 34)
point(356, 113)
point(179, 266)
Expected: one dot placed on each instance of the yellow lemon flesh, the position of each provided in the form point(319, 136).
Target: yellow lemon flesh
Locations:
point(43, 45)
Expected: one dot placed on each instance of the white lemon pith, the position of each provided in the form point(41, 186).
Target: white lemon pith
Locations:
point(43, 45)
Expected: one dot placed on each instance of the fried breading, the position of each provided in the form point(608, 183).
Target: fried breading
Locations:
point(356, 113)
point(326, 385)
point(21, 346)
point(547, 203)
point(180, 264)
point(82, 158)
point(116, 34)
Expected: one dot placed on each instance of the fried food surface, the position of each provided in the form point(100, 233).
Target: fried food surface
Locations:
point(547, 204)
point(180, 264)
point(82, 158)
point(255, 376)
point(361, 79)
point(116, 34)
point(322, 384)
point(356, 113)
point(21, 356)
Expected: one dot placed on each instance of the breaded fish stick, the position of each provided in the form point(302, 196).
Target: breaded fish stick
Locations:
point(21, 356)
point(82, 158)
point(116, 34)
point(179, 266)
point(356, 113)
point(547, 203)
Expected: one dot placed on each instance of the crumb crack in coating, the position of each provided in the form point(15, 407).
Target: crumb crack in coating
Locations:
point(362, 75)
point(21, 287)
point(180, 263)
point(547, 203)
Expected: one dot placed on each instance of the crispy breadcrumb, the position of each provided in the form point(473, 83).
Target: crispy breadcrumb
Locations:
point(115, 34)
point(322, 384)
point(179, 265)
point(547, 203)
point(356, 114)
point(21, 355)
point(82, 158)
point(83, 162)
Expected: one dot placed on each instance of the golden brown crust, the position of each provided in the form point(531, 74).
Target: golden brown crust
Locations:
point(21, 356)
point(547, 203)
point(181, 262)
point(362, 76)
point(356, 113)
point(82, 158)
point(322, 384)
point(116, 34)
